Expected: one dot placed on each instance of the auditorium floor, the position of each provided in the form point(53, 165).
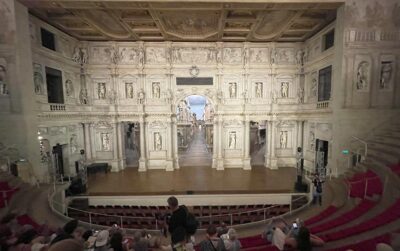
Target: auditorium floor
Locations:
point(196, 180)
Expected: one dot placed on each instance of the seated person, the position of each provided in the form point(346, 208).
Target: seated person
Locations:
point(281, 234)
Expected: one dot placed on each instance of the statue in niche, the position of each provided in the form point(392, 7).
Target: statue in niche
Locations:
point(129, 90)
point(284, 89)
point(69, 88)
point(157, 141)
point(232, 140)
point(274, 56)
point(73, 143)
point(259, 89)
point(101, 90)
point(220, 96)
point(105, 142)
point(83, 96)
point(283, 139)
point(156, 89)
point(362, 76)
point(141, 55)
point(218, 55)
point(38, 82)
point(232, 90)
point(245, 55)
point(141, 97)
point(386, 75)
point(3, 80)
point(169, 96)
point(314, 86)
point(300, 95)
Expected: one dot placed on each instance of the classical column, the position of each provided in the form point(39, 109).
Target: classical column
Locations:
point(142, 160)
point(170, 150)
point(215, 142)
point(115, 165)
point(246, 157)
point(175, 142)
point(87, 141)
point(220, 160)
point(299, 134)
point(271, 161)
point(121, 145)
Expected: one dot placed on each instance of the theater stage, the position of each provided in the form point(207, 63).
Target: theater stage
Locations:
point(196, 180)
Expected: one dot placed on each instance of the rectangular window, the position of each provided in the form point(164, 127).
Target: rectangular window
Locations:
point(324, 84)
point(54, 86)
point(329, 39)
point(48, 40)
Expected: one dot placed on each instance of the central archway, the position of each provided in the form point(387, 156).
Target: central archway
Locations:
point(195, 115)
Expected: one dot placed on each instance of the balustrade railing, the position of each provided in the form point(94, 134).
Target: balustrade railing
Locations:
point(323, 104)
point(102, 219)
point(57, 107)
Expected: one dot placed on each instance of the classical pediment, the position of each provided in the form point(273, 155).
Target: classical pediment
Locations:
point(185, 20)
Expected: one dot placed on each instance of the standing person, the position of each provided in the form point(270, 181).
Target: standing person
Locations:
point(178, 216)
point(212, 241)
point(317, 194)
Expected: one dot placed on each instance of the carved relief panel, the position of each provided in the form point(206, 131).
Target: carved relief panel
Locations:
point(232, 55)
point(285, 56)
point(259, 55)
point(155, 55)
point(129, 55)
point(193, 55)
point(69, 86)
point(100, 55)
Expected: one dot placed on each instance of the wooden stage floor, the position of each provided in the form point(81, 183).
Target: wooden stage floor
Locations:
point(196, 180)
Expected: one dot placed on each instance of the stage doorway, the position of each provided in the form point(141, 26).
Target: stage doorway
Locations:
point(195, 131)
point(132, 144)
point(258, 144)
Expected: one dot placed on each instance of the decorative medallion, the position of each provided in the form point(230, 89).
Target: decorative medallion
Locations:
point(194, 71)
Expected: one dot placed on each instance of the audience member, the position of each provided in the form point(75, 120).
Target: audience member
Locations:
point(101, 241)
point(116, 242)
point(212, 241)
point(141, 242)
point(179, 241)
point(66, 232)
point(67, 245)
point(178, 217)
point(317, 192)
point(222, 229)
point(231, 241)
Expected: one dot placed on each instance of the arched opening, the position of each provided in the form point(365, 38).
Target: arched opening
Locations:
point(195, 115)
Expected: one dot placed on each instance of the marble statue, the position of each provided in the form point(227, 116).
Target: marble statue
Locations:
point(362, 76)
point(76, 57)
point(274, 56)
point(300, 57)
point(69, 88)
point(157, 141)
point(312, 140)
point(284, 89)
point(115, 55)
point(141, 97)
point(169, 96)
point(101, 90)
point(283, 139)
point(274, 97)
point(245, 55)
point(105, 142)
point(386, 75)
point(232, 140)
point(3, 80)
point(259, 89)
point(156, 90)
point(80, 55)
point(141, 56)
point(73, 143)
point(219, 56)
point(246, 96)
point(232, 90)
point(129, 90)
point(300, 95)
point(220, 96)
point(83, 96)
point(38, 82)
